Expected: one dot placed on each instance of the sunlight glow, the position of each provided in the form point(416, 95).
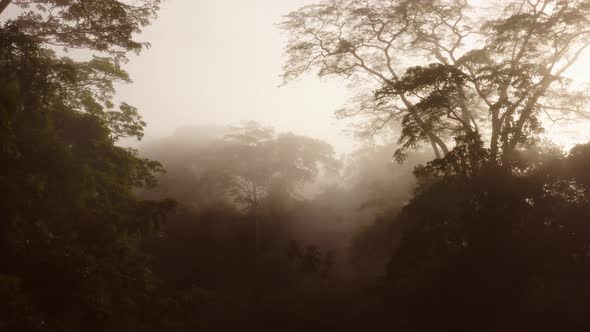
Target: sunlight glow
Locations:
point(570, 133)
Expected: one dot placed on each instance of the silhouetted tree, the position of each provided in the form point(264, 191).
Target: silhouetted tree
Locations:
point(445, 68)
point(106, 26)
point(487, 250)
point(258, 161)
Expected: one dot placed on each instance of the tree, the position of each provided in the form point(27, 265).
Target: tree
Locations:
point(71, 224)
point(105, 26)
point(446, 68)
point(107, 29)
point(244, 164)
point(257, 162)
point(493, 251)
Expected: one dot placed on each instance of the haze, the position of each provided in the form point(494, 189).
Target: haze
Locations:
point(218, 62)
point(245, 205)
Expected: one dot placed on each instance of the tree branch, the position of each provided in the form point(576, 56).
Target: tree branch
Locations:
point(4, 4)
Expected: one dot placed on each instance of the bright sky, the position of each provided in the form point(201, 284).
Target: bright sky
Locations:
point(218, 62)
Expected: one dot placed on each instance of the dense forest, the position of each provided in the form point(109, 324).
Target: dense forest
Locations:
point(456, 212)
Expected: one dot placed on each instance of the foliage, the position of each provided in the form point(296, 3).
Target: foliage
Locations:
point(107, 26)
point(310, 258)
point(246, 166)
point(447, 68)
point(515, 245)
point(71, 223)
point(257, 162)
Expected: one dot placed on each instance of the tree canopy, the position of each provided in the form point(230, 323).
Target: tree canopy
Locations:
point(109, 26)
point(244, 165)
point(492, 235)
point(71, 221)
point(446, 68)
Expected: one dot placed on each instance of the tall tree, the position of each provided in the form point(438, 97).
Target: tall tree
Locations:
point(257, 161)
point(442, 68)
point(71, 223)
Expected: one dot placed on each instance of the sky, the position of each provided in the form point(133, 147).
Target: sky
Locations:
point(219, 62)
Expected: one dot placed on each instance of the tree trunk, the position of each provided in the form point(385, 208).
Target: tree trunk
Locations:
point(4, 4)
point(495, 136)
point(434, 139)
point(440, 143)
point(466, 115)
point(435, 148)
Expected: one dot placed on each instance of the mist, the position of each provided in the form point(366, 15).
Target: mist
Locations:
point(316, 243)
point(302, 165)
point(228, 71)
